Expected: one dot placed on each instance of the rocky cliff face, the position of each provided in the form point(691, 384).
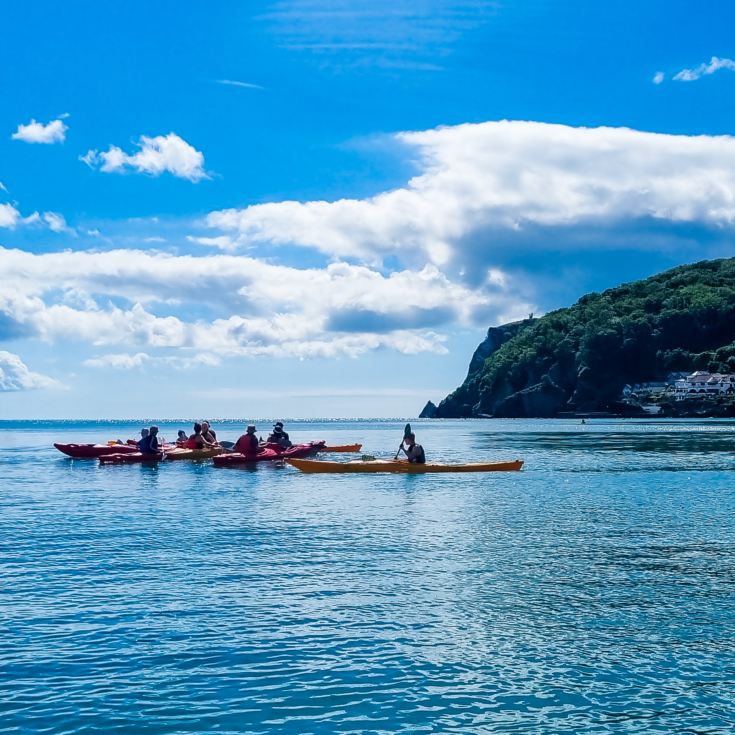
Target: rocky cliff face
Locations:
point(461, 403)
point(579, 358)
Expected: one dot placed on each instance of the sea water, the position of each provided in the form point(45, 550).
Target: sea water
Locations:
point(592, 592)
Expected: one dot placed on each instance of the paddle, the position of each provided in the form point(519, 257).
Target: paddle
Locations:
point(406, 432)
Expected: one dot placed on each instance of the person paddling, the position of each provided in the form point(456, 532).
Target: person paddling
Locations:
point(149, 443)
point(413, 451)
point(248, 442)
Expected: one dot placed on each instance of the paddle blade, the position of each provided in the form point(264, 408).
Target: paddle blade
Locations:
point(407, 430)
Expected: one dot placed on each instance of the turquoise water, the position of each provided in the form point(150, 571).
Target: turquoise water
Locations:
point(593, 592)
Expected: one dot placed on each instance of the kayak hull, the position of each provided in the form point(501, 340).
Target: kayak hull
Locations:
point(194, 454)
point(93, 451)
point(345, 448)
point(296, 450)
point(400, 467)
point(131, 458)
point(268, 455)
point(302, 450)
point(235, 459)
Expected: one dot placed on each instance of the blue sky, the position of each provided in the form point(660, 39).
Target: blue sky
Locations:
point(314, 208)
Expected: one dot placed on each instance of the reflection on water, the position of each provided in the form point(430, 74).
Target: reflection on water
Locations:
point(593, 592)
point(585, 441)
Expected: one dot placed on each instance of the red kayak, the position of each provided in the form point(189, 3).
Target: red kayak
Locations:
point(268, 454)
point(303, 450)
point(92, 451)
point(297, 450)
point(130, 458)
point(235, 458)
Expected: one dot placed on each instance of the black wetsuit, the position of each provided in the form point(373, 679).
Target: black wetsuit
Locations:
point(415, 454)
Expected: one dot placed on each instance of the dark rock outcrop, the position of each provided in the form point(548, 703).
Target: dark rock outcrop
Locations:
point(429, 411)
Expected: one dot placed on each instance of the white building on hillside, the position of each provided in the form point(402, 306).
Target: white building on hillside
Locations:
point(701, 384)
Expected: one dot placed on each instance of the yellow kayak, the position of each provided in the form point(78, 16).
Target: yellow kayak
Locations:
point(181, 453)
point(400, 466)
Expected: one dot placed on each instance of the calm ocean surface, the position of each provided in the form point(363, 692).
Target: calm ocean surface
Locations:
point(593, 592)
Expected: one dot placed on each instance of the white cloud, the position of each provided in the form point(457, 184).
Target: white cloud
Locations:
point(122, 361)
point(236, 83)
point(15, 375)
point(223, 242)
point(125, 361)
point(56, 222)
point(36, 132)
point(704, 69)
point(3, 187)
point(157, 155)
point(658, 77)
point(506, 177)
point(9, 216)
point(236, 305)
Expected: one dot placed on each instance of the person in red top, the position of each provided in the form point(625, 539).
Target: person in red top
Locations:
point(248, 443)
point(197, 440)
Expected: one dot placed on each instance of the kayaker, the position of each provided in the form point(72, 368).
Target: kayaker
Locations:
point(197, 440)
point(149, 443)
point(248, 443)
point(208, 433)
point(414, 452)
point(182, 438)
point(279, 436)
point(143, 436)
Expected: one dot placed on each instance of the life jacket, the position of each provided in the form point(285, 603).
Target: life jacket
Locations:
point(247, 444)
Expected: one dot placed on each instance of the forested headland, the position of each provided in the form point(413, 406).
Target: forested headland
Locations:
point(578, 359)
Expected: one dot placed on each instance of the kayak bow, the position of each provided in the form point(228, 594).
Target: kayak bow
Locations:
point(92, 451)
point(343, 448)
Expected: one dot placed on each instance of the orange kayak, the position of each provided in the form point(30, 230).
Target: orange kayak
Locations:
point(401, 466)
point(343, 448)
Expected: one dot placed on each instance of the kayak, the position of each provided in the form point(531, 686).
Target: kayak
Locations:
point(92, 451)
point(235, 458)
point(302, 450)
point(342, 448)
point(268, 455)
point(400, 466)
point(296, 450)
point(181, 453)
point(130, 458)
